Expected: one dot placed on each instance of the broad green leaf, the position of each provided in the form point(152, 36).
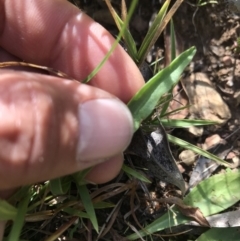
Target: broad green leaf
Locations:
point(88, 205)
point(211, 196)
point(221, 234)
point(7, 211)
point(144, 102)
point(189, 146)
point(170, 219)
point(216, 193)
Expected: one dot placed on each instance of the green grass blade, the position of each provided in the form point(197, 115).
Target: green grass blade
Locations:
point(7, 211)
point(19, 220)
point(173, 41)
point(19, 194)
point(144, 48)
point(211, 196)
point(144, 102)
point(167, 114)
point(169, 97)
point(60, 186)
point(160, 29)
point(203, 3)
point(75, 212)
point(122, 31)
point(103, 205)
point(189, 146)
point(88, 205)
point(80, 176)
point(135, 173)
point(128, 39)
point(184, 123)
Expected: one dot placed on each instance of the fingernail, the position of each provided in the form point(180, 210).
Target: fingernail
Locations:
point(106, 128)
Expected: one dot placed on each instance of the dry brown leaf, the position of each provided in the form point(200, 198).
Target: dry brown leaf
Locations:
point(188, 211)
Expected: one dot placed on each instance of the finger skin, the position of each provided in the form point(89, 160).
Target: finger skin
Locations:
point(57, 34)
point(40, 128)
point(105, 171)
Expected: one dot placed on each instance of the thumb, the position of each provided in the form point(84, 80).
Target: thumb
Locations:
point(50, 127)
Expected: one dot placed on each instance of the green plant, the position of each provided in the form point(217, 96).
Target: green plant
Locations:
point(57, 195)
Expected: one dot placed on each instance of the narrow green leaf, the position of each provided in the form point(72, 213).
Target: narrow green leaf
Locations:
point(135, 173)
point(167, 220)
point(221, 234)
point(19, 220)
point(106, 57)
point(169, 97)
point(79, 177)
point(7, 211)
point(173, 40)
point(200, 3)
point(88, 205)
point(60, 186)
point(152, 31)
point(160, 29)
point(144, 102)
point(128, 39)
point(19, 194)
point(183, 123)
point(103, 205)
point(75, 212)
point(211, 196)
point(189, 146)
point(167, 114)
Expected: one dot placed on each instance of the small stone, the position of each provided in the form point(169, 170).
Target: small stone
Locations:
point(196, 131)
point(181, 168)
point(188, 157)
point(227, 61)
point(230, 82)
point(212, 141)
point(237, 97)
point(205, 102)
point(231, 155)
point(162, 184)
point(235, 162)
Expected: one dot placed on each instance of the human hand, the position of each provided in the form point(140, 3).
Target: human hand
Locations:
point(50, 127)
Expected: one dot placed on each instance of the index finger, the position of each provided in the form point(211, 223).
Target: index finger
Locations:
point(57, 34)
